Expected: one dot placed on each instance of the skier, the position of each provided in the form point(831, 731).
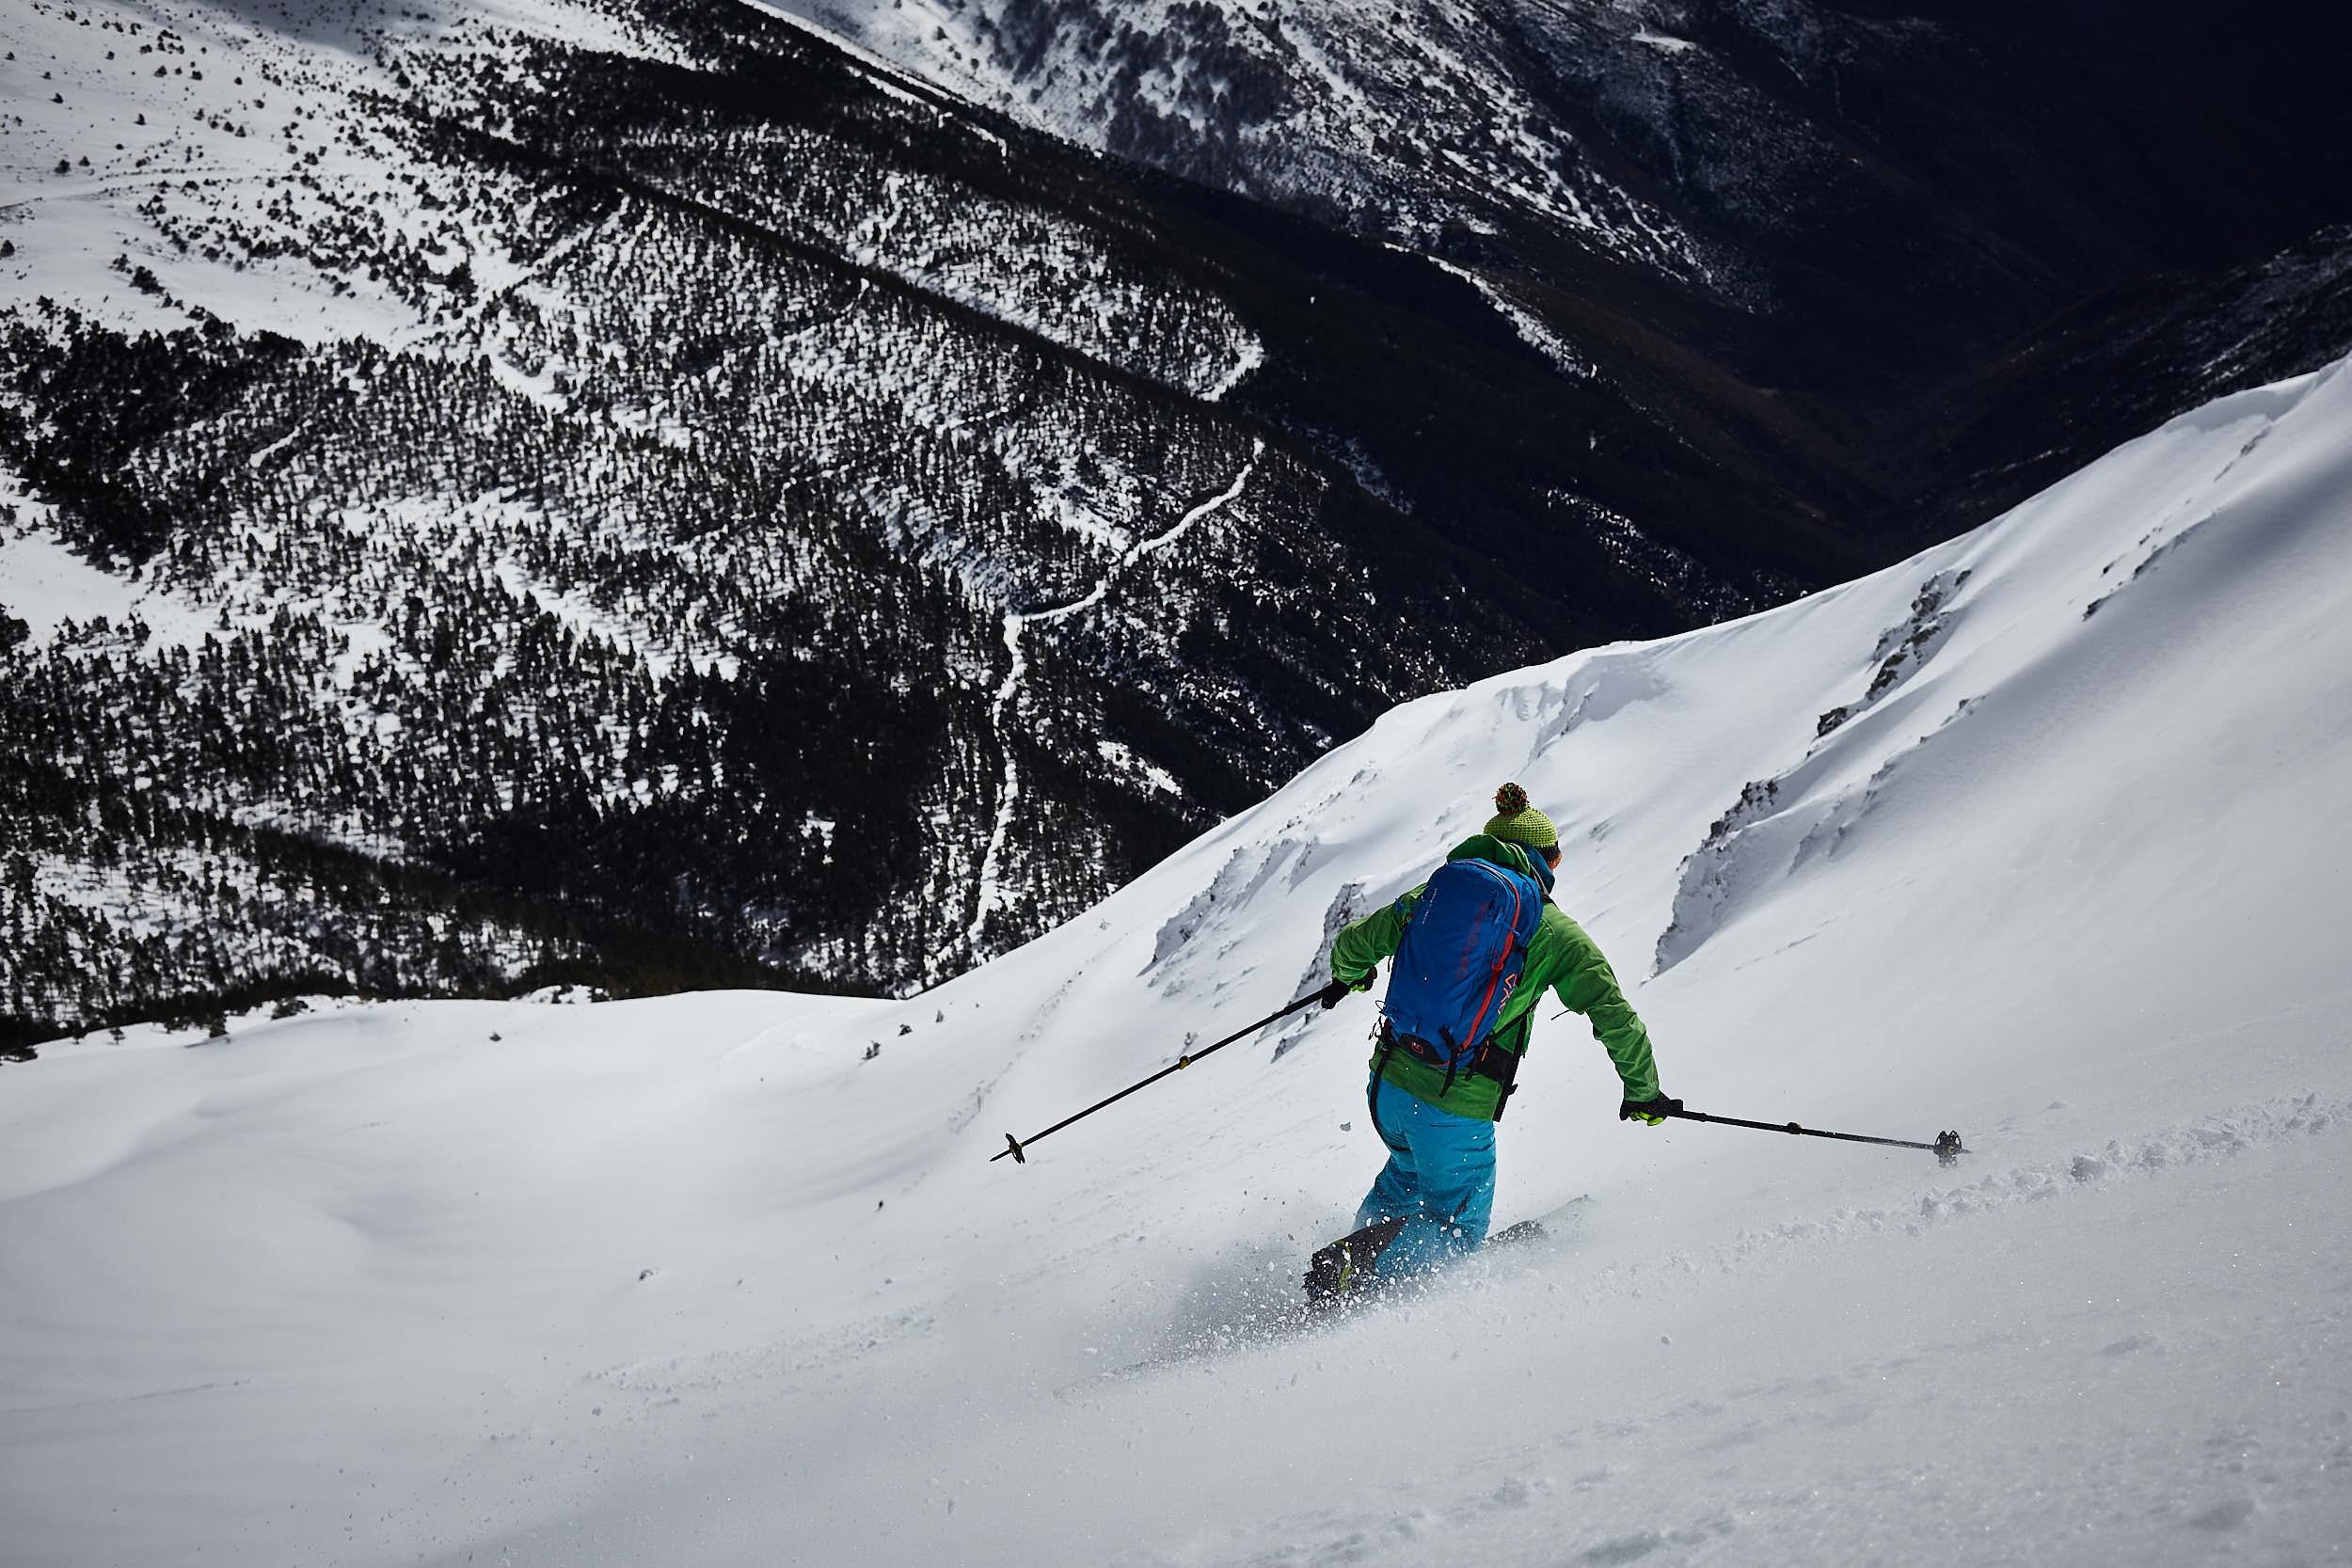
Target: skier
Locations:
point(1477, 945)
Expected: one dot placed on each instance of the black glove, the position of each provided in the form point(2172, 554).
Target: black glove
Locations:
point(1336, 992)
point(1650, 1112)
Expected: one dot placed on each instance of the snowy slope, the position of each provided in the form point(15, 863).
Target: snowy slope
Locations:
point(177, 134)
point(700, 1281)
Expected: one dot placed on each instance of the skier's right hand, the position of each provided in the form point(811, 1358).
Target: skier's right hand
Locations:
point(1648, 1112)
point(1336, 992)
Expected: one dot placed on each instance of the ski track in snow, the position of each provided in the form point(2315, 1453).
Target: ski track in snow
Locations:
point(989, 895)
point(2222, 1135)
point(1584, 1476)
point(1242, 1312)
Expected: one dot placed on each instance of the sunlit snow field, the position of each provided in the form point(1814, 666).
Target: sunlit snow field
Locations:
point(698, 1281)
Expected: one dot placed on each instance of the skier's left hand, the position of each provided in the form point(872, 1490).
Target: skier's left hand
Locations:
point(1648, 1112)
point(1336, 992)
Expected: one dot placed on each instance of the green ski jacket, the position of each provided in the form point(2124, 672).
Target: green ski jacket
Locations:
point(1561, 958)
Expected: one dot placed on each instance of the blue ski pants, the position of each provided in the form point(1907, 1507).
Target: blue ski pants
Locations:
point(1439, 1178)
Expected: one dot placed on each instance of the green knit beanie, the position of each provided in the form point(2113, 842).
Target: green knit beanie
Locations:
point(1518, 822)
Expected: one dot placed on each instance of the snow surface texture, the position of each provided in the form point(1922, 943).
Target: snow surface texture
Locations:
point(731, 1278)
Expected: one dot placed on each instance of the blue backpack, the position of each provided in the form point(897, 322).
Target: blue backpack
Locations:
point(1465, 944)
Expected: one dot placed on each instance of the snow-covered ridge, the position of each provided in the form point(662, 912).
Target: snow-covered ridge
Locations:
point(1424, 111)
point(680, 1281)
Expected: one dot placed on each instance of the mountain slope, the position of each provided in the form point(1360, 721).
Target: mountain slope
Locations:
point(2037, 834)
point(2128, 359)
point(639, 500)
point(1780, 226)
point(550, 492)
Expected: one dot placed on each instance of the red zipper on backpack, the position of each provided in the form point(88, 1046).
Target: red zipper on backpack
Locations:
point(1478, 1020)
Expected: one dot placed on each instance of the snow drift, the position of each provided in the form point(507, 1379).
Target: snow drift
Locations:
point(2040, 835)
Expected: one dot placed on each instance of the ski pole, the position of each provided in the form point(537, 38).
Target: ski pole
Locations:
point(1016, 1147)
point(1947, 1145)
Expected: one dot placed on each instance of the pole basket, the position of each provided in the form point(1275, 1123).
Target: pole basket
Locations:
point(1948, 1149)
